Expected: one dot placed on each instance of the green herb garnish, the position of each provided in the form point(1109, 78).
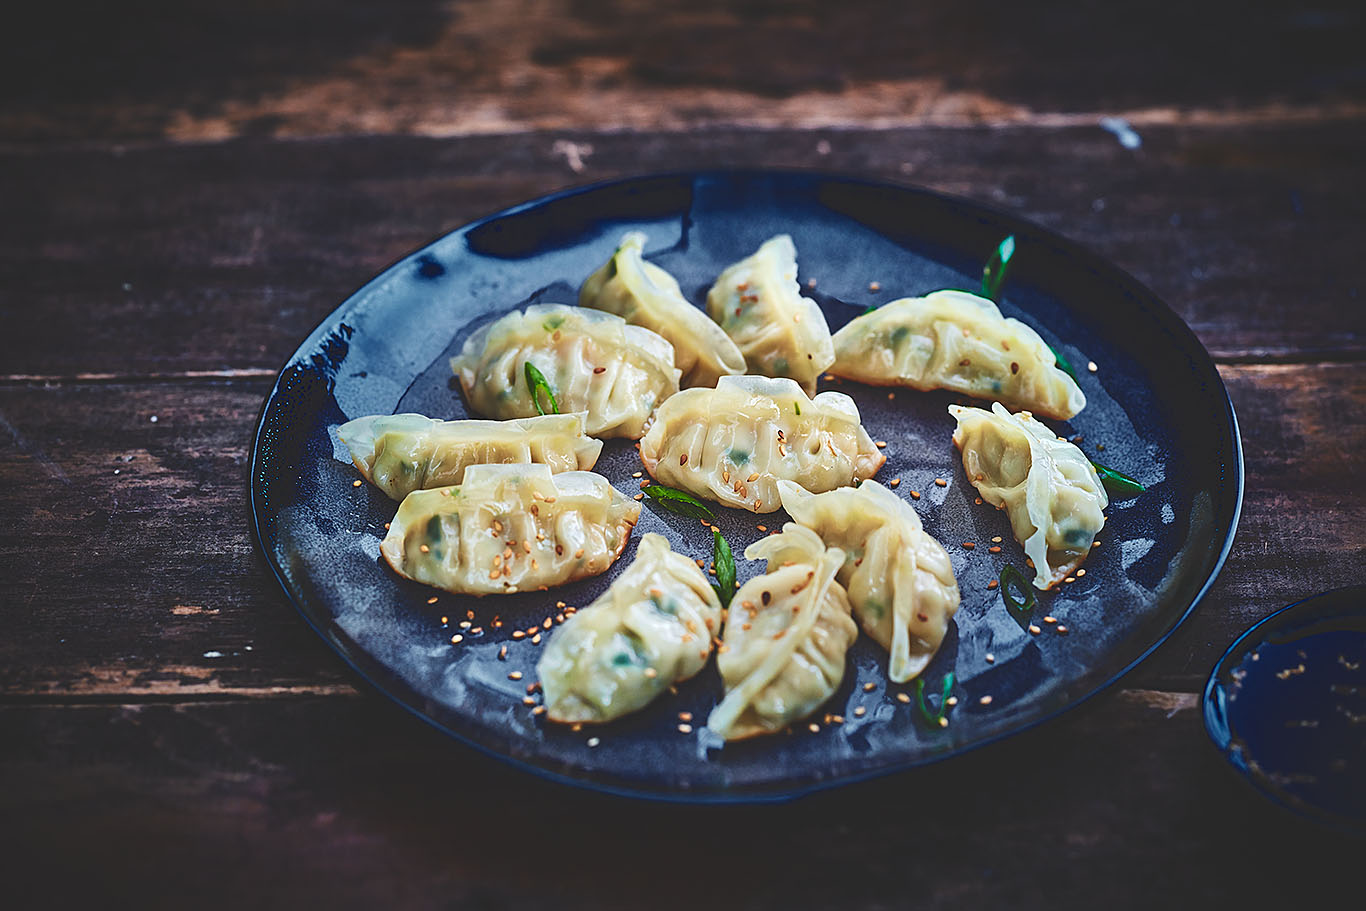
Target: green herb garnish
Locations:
point(725, 568)
point(681, 502)
point(536, 382)
point(1012, 576)
point(869, 309)
point(797, 406)
point(1117, 482)
point(994, 273)
point(1063, 363)
point(934, 719)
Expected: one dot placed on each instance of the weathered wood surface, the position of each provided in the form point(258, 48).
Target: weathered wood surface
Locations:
point(347, 802)
point(133, 572)
point(192, 71)
point(220, 258)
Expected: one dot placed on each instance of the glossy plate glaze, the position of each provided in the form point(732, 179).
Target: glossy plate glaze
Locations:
point(1157, 411)
point(1286, 706)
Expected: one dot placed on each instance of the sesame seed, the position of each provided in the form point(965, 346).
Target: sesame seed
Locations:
point(968, 545)
point(869, 687)
point(594, 741)
point(457, 639)
point(635, 474)
point(527, 700)
point(1034, 629)
point(356, 483)
point(762, 527)
point(890, 396)
point(991, 659)
point(915, 495)
point(874, 286)
point(985, 700)
point(860, 712)
point(515, 675)
point(518, 634)
point(503, 653)
point(1080, 573)
point(952, 701)
point(1062, 630)
point(811, 283)
point(881, 444)
point(977, 500)
point(425, 549)
point(639, 496)
point(829, 377)
point(685, 729)
point(683, 459)
point(1095, 544)
point(536, 639)
point(538, 710)
point(903, 698)
point(599, 369)
point(465, 624)
point(1070, 579)
point(1050, 619)
point(944, 722)
point(993, 549)
point(996, 539)
point(992, 584)
point(813, 728)
point(1091, 366)
point(651, 673)
point(940, 482)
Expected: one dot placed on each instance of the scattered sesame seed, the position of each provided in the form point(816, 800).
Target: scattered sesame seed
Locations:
point(874, 286)
point(953, 700)
point(881, 444)
point(860, 712)
point(432, 600)
point(813, 728)
point(902, 697)
point(985, 700)
point(1081, 572)
point(465, 624)
point(992, 584)
point(940, 482)
point(1033, 628)
point(829, 377)
point(944, 722)
point(527, 700)
point(651, 673)
point(968, 545)
point(685, 729)
point(1062, 630)
point(991, 659)
point(639, 496)
point(683, 459)
point(1050, 619)
point(503, 653)
point(538, 710)
point(457, 639)
point(536, 639)
point(356, 483)
point(635, 474)
point(1070, 579)
point(915, 495)
point(762, 527)
point(518, 634)
point(386, 525)
point(977, 500)
point(594, 741)
point(890, 396)
point(993, 549)
point(869, 687)
point(1095, 544)
point(894, 482)
point(515, 675)
point(1091, 366)
point(811, 283)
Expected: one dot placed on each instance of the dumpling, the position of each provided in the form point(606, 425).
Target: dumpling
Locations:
point(900, 580)
point(1047, 487)
point(957, 341)
point(510, 528)
point(787, 633)
point(401, 453)
point(643, 294)
point(779, 332)
point(734, 442)
point(653, 628)
point(593, 361)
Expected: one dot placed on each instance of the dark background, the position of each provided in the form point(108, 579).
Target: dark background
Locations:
point(186, 189)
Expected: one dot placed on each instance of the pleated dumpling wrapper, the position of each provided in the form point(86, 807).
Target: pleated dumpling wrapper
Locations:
point(957, 341)
point(1047, 486)
point(733, 443)
point(400, 453)
point(510, 528)
point(759, 304)
point(787, 633)
point(900, 580)
point(643, 294)
point(651, 629)
point(594, 362)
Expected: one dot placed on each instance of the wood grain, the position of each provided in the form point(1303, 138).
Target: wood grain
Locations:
point(158, 69)
point(145, 584)
point(350, 803)
point(220, 258)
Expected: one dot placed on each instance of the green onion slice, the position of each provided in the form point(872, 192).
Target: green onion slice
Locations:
point(935, 719)
point(1063, 364)
point(994, 273)
point(1012, 576)
point(1117, 482)
point(725, 568)
point(536, 382)
point(681, 502)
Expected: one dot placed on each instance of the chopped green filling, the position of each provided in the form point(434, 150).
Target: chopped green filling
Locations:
point(780, 366)
point(629, 651)
point(898, 336)
point(737, 457)
point(553, 323)
point(664, 605)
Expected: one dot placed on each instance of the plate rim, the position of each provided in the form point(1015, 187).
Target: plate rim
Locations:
point(392, 686)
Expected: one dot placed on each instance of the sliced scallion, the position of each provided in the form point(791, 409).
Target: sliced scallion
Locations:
point(994, 273)
point(935, 718)
point(1117, 482)
point(725, 567)
point(680, 502)
point(536, 382)
point(1012, 576)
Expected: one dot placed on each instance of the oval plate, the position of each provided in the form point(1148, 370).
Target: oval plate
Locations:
point(1286, 705)
point(1156, 407)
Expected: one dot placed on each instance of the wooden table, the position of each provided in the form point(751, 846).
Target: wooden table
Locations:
point(185, 193)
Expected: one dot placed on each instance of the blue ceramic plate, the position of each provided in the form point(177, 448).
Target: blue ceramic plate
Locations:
point(1157, 411)
point(1286, 705)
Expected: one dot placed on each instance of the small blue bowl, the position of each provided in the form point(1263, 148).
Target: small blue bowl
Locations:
point(1286, 705)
